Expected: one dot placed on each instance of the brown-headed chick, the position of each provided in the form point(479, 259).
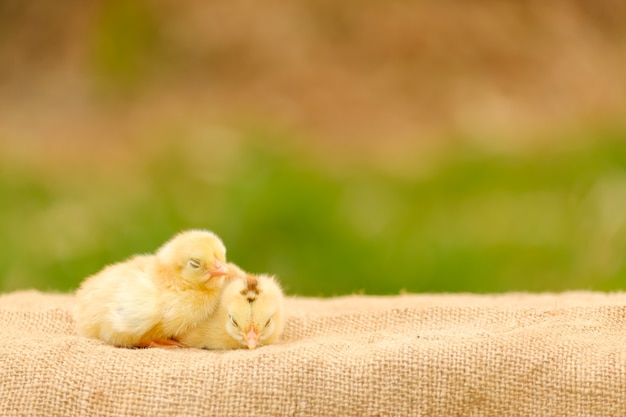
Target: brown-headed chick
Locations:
point(250, 314)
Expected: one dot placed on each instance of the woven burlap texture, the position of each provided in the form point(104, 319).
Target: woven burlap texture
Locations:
point(406, 355)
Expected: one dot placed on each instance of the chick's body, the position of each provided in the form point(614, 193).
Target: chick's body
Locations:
point(149, 300)
point(250, 313)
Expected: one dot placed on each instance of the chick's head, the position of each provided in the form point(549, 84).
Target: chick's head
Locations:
point(254, 306)
point(198, 256)
point(235, 272)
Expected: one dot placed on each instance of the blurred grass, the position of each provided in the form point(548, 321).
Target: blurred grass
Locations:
point(469, 220)
point(78, 79)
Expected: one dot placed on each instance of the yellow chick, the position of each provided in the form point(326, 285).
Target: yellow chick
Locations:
point(250, 314)
point(148, 300)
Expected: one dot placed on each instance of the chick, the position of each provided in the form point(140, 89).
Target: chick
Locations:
point(148, 300)
point(250, 314)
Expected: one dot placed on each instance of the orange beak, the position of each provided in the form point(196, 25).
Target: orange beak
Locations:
point(219, 269)
point(252, 338)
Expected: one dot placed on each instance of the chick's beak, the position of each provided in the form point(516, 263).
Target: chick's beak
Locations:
point(252, 338)
point(219, 269)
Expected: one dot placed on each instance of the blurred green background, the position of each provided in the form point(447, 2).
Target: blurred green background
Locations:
point(371, 147)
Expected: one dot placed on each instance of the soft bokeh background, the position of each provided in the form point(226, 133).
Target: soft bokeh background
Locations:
point(354, 146)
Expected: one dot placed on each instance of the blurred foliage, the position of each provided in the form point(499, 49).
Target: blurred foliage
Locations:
point(471, 220)
point(88, 76)
point(407, 68)
point(125, 43)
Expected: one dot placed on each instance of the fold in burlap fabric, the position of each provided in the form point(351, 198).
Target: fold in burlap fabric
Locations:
point(409, 355)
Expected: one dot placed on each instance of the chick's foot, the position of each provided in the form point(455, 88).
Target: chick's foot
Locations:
point(164, 344)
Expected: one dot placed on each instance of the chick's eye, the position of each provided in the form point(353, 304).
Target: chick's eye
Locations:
point(194, 263)
point(233, 321)
point(268, 322)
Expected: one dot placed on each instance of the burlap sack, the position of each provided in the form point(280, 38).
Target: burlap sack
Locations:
point(410, 355)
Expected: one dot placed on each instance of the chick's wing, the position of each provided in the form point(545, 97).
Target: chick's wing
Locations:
point(136, 307)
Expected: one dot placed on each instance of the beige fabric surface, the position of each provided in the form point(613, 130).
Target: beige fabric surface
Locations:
point(408, 355)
